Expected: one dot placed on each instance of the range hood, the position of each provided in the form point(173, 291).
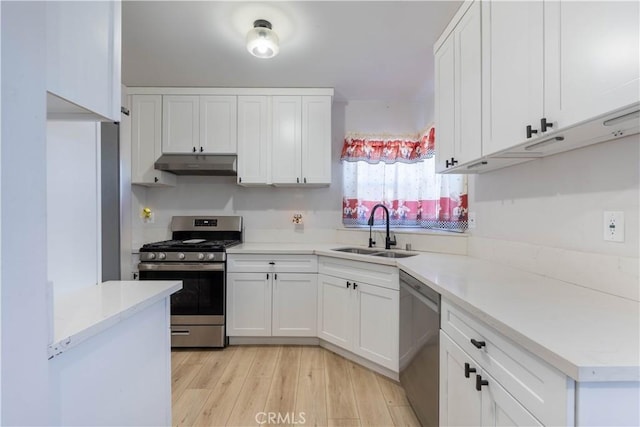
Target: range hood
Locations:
point(198, 164)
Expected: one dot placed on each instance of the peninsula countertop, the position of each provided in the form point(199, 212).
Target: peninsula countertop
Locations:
point(81, 314)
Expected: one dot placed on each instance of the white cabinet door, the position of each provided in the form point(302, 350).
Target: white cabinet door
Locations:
point(146, 141)
point(295, 304)
point(254, 140)
point(316, 140)
point(376, 320)
point(218, 124)
point(249, 304)
point(445, 103)
point(468, 83)
point(499, 408)
point(460, 402)
point(512, 72)
point(458, 88)
point(591, 59)
point(180, 124)
point(335, 304)
point(83, 56)
point(286, 142)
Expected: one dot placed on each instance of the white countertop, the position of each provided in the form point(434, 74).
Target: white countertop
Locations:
point(81, 314)
point(586, 334)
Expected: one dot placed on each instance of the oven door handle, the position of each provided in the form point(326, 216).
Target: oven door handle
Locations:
point(150, 266)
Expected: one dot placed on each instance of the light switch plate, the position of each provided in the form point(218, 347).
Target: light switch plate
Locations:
point(613, 226)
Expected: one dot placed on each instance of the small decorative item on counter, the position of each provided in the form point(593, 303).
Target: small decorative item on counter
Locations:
point(297, 218)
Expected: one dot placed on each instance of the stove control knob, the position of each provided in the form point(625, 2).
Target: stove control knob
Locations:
point(180, 255)
point(162, 255)
point(210, 257)
point(151, 255)
point(200, 257)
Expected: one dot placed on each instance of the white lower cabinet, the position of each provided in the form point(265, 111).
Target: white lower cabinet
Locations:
point(357, 316)
point(294, 305)
point(249, 304)
point(335, 302)
point(486, 379)
point(469, 396)
point(264, 299)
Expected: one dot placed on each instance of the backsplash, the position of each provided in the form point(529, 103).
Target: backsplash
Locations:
point(616, 275)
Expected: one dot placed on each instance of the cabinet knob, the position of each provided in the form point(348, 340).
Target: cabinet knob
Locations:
point(530, 131)
point(468, 370)
point(201, 149)
point(478, 344)
point(239, 180)
point(544, 124)
point(305, 180)
point(194, 149)
point(480, 382)
point(298, 180)
point(348, 284)
point(267, 276)
point(272, 263)
point(155, 179)
point(355, 285)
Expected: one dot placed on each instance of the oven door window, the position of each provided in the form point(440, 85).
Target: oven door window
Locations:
point(211, 293)
point(202, 293)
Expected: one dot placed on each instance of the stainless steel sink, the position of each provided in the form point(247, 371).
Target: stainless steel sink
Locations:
point(361, 251)
point(375, 252)
point(393, 254)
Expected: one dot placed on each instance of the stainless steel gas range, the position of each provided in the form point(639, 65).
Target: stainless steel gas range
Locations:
point(196, 255)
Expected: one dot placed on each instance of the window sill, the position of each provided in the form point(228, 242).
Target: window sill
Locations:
point(409, 230)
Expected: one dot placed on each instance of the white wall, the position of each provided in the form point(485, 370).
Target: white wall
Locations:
point(24, 299)
point(73, 205)
point(268, 211)
point(547, 215)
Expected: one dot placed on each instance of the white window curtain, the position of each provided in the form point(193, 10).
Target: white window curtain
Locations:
point(399, 172)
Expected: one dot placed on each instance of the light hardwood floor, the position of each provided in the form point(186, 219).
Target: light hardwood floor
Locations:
point(230, 387)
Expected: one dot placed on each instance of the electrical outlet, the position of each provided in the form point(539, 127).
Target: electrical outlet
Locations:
point(614, 226)
point(472, 220)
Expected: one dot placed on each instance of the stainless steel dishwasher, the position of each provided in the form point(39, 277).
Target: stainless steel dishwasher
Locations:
point(420, 347)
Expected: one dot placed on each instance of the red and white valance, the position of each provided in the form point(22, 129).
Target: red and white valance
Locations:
point(388, 149)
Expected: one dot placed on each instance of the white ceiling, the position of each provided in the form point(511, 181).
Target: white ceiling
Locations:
point(364, 49)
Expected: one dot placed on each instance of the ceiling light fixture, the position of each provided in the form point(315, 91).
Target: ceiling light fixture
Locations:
point(262, 41)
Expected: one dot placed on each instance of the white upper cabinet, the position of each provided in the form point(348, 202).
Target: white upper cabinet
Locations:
point(218, 124)
point(287, 140)
point(301, 149)
point(254, 139)
point(591, 58)
point(199, 124)
point(146, 141)
point(83, 60)
point(552, 73)
point(180, 124)
point(316, 139)
point(512, 74)
point(458, 88)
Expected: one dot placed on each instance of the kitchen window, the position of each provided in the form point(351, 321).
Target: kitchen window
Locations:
point(399, 172)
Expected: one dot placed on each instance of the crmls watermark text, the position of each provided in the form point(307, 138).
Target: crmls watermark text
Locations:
point(280, 418)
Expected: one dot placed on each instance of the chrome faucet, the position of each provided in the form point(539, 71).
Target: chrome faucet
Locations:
point(387, 241)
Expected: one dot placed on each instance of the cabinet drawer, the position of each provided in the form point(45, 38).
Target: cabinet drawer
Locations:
point(539, 387)
point(256, 263)
point(375, 274)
